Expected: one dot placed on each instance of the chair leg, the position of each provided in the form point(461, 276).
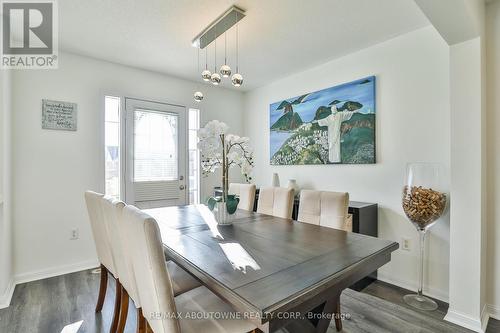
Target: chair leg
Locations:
point(102, 289)
point(116, 313)
point(141, 322)
point(123, 311)
point(148, 328)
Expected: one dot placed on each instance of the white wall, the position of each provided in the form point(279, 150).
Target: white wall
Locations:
point(466, 278)
point(6, 282)
point(413, 124)
point(52, 169)
point(493, 148)
point(463, 29)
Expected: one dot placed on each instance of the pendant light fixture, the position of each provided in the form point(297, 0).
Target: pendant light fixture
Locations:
point(225, 70)
point(237, 78)
point(205, 75)
point(209, 35)
point(198, 95)
point(215, 78)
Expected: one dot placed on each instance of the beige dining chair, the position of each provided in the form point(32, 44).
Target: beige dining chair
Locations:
point(276, 201)
point(328, 209)
point(121, 251)
point(102, 244)
point(158, 303)
point(246, 193)
point(113, 210)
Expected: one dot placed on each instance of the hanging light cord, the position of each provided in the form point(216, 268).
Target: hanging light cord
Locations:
point(215, 52)
point(206, 58)
point(198, 70)
point(237, 47)
point(225, 48)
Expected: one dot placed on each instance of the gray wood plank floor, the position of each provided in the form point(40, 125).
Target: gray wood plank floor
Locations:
point(50, 305)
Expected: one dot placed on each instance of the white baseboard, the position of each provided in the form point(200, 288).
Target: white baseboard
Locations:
point(494, 311)
point(7, 295)
point(485, 317)
point(432, 292)
point(55, 271)
point(43, 274)
point(474, 324)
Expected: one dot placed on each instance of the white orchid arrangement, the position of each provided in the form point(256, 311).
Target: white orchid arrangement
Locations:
point(222, 150)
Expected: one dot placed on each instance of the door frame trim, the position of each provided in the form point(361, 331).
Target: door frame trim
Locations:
point(124, 147)
point(123, 95)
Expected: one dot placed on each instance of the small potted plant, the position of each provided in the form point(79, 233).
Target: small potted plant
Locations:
point(222, 150)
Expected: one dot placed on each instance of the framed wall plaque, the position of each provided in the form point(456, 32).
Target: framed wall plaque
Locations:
point(57, 115)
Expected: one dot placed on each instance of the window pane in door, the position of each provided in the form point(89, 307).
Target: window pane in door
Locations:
point(155, 146)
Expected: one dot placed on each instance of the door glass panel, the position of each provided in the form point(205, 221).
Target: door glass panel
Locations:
point(155, 146)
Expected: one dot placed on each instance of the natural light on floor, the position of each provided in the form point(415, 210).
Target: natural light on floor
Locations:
point(72, 328)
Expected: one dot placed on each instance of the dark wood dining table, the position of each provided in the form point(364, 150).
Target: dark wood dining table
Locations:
point(277, 272)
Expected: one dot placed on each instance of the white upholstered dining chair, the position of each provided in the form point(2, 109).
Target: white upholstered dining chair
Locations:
point(328, 209)
point(120, 248)
point(276, 201)
point(246, 193)
point(113, 210)
point(102, 244)
point(155, 288)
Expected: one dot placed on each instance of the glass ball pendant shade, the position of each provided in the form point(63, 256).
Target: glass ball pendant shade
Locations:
point(215, 79)
point(237, 80)
point(205, 75)
point(225, 71)
point(198, 96)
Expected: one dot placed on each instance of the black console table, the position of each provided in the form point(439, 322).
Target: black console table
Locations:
point(364, 221)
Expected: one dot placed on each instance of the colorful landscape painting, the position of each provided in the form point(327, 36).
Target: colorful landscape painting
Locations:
point(331, 126)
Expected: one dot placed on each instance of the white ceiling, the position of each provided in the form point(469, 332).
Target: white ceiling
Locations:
point(277, 37)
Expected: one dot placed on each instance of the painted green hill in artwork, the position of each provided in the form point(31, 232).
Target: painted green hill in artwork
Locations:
point(351, 106)
point(287, 106)
point(287, 122)
point(358, 139)
point(310, 145)
point(325, 111)
point(322, 112)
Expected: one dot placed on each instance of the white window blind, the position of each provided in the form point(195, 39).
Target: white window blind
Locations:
point(155, 146)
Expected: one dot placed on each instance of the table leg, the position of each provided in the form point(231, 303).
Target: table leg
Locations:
point(331, 309)
point(338, 314)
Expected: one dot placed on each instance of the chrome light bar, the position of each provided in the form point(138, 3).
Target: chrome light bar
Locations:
point(223, 23)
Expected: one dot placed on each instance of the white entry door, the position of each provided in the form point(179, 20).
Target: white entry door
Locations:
point(155, 166)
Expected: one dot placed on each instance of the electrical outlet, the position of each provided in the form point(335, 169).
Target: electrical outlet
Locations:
point(75, 234)
point(405, 244)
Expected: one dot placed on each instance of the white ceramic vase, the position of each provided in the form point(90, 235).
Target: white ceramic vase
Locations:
point(221, 215)
point(292, 183)
point(276, 180)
